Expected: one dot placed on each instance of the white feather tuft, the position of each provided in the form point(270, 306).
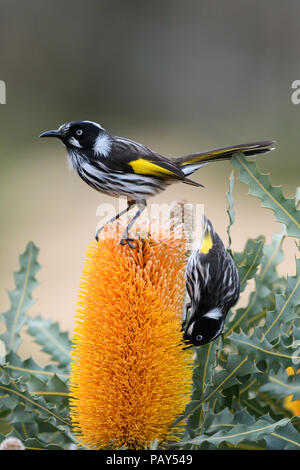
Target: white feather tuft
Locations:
point(214, 314)
point(102, 145)
point(191, 168)
point(74, 142)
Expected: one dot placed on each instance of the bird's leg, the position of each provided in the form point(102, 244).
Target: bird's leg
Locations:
point(130, 205)
point(125, 238)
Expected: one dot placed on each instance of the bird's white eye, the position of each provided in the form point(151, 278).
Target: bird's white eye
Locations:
point(78, 132)
point(199, 338)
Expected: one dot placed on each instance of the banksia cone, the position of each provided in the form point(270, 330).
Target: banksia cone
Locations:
point(131, 377)
point(289, 403)
point(181, 213)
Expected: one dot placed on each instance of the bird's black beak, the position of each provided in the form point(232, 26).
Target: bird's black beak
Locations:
point(52, 134)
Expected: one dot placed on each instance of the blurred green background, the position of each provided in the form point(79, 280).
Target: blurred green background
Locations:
point(177, 76)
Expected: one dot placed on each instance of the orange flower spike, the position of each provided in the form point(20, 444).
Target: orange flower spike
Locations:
point(130, 377)
point(289, 404)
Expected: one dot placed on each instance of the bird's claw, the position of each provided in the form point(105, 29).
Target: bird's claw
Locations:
point(97, 233)
point(129, 242)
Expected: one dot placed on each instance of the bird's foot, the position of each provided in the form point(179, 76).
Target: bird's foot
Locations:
point(129, 241)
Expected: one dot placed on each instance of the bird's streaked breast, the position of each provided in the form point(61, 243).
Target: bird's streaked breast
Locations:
point(103, 179)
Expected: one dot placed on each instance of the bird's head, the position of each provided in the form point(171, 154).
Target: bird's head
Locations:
point(206, 328)
point(83, 135)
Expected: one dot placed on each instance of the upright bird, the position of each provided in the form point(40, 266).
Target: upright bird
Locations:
point(121, 167)
point(213, 285)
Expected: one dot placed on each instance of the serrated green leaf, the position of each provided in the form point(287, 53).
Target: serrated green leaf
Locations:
point(16, 393)
point(54, 342)
point(248, 261)
point(24, 429)
point(286, 305)
point(5, 428)
point(286, 438)
point(18, 368)
point(282, 385)
point(240, 432)
point(21, 414)
point(12, 433)
point(20, 297)
point(230, 209)
point(204, 371)
point(267, 281)
point(284, 312)
point(260, 349)
point(271, 196)
point(273, 255)
point(54, 391)
point(258, 408)
point(236, 366)
point(257, 307)
point(35, 444)
point(227, 419)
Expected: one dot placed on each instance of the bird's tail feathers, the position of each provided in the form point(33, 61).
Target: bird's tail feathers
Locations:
point(191, 163)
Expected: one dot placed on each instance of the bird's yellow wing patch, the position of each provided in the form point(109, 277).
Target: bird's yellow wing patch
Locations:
point(207, 243)
point(146, 167)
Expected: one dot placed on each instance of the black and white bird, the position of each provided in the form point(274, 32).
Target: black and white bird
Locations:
point(213, 285)
point(121, 167)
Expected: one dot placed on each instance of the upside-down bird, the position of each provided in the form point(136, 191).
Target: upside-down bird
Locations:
point(121, 167)
point(213, 285)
